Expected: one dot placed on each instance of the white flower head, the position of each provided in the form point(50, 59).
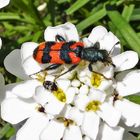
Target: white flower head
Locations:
point(76, 104)
point(102, 75)
point(127, 83)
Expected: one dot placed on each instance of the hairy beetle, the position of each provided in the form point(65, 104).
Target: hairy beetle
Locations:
point(61, 52)
point(51, 86)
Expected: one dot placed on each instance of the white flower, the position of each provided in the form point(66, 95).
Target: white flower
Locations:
point(123, 61)
point(79, 108)
point(4, 3)
point(15, 110)
point(95, 108)
point(127, 83)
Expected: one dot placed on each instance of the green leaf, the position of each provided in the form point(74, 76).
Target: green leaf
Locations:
point(35, 13)
point(62, 1)
point(91, 19)
point(136, 14)
point(11, 16)
point(51, 9)
point(77, 5)
point(21, 5)
point(133, 98)
point(5, 130)
point(127, 11)
point(37, 36)
point(126, 30)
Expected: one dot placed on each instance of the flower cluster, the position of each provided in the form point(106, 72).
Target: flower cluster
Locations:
point(84, 105)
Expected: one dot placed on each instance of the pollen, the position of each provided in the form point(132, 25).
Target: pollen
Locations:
point(93, 106)
point(60, 95)
point(96, 80)
point(41, 77)
point(66, 121)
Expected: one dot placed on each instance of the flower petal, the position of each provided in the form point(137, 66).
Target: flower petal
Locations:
point(53, 131)
point(75, 115)
point(63, 84)
point(68, 31)
point(31, 66)
point(84, 90)
point(27, 49)
point(73, 132)
point(42, 96)
point(8, 89)
point(128, 83)
point(86, 138)
point(95, 94)
point(54, 106)
point(25, 89)
point(108, 43)
point(13, 64)
point(33, 127)
point(115, 133)
point(4, 3)
point(125, 60)
point(97, 33)
point(105, 111)
point(70, 94)
point(130, 112)
point(81, 102)
point(87, 42)
point(14, 110)
point(90, 125)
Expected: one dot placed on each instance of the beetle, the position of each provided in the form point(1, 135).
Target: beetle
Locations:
point(62, 52)
point(49, 85)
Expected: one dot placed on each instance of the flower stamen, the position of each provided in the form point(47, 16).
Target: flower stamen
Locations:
point(93, 106)
point(40, 108)
point(66, 121)
point(40, 77)
point(96, 80)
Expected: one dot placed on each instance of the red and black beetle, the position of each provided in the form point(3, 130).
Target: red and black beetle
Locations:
point(62, 52)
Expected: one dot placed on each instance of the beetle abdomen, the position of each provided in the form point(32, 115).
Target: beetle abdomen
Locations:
point(58, 52)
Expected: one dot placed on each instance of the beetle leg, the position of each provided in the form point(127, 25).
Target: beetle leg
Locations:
point(90, 69)
point(59, 38)
point(50, 67)
point(70, 69)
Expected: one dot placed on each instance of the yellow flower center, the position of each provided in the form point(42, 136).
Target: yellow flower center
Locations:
point(66, 121)
point(93, 106)
point(96, 79)
point(60, 95)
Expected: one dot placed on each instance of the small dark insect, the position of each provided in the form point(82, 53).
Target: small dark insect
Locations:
point(41, 109)
point(49, 85)
point(116, 96)
point(62, 52)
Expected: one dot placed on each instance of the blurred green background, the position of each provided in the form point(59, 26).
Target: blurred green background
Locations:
point(23, 20)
